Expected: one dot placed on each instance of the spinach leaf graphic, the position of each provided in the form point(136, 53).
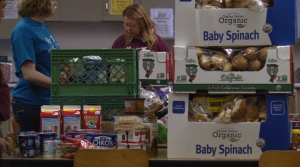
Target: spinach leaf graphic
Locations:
point(233, 140)
point(241, 25)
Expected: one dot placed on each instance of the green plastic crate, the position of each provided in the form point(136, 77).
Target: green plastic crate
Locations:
point(111, 105)
point(94, 72)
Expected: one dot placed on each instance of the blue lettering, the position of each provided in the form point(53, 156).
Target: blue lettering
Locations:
point(205, 35)
point(242, 36)
point(235, 150)
point(206, 150)
point(213, 36)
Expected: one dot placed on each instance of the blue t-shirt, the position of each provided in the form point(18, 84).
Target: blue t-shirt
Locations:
point(32, 40)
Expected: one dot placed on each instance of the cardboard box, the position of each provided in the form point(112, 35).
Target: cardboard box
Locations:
point(154, 67)
point(71, 118)
point(277, 25)
point(209, 140)
point(50, 119)
point(275, 76)
point(91, 117)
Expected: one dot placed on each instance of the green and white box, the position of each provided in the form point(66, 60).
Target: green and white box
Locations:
point(154, 67)
point(275, 76)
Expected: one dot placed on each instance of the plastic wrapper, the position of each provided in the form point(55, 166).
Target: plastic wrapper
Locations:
point(199, 114)
point(162, 132)
point(163, 92)
point(219, 4)
point(232, 59)
point(152, 100)
point(242, 109)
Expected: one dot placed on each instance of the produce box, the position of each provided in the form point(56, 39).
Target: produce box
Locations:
point(274, 25)
point(274, 76)
point(220, 141)
point(154, 67)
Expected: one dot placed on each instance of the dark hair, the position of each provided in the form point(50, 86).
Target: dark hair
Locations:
point(137, 12)
point(29, 8)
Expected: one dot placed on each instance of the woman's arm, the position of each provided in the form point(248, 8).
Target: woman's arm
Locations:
point(33, 76)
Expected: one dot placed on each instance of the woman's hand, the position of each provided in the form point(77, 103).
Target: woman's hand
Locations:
point(7, 147)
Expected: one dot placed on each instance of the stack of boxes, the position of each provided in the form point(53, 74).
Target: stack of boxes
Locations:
point(274, 27)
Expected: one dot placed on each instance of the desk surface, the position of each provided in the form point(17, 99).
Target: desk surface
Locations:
point(160, 161)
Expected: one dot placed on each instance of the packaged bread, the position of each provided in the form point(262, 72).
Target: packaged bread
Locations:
point(218, 4)
point(232, 59)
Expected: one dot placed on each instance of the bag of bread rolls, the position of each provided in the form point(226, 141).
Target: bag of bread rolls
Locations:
point(199, 114)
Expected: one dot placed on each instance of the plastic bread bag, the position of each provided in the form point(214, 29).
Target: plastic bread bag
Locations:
point(232, 111)
point(163, 92)
point(252, 113)
point(143, 93)
point(232, 59)
point(152, 101)
point(199, 114)
point(153, 104)
point(211, 59)
point(218, 4)
point(263, 116)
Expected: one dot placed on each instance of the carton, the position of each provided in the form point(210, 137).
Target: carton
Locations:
point(210, 140)
point(91, 117)
point(277, 25)
point(275, 76)
point(50, 119)
point(154, 67)
point(71, 118)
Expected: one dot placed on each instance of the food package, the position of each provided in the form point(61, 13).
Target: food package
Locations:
point(152, 100)
point(232, 59)
point(219, 4)
point(243, 109)
point(199, 114)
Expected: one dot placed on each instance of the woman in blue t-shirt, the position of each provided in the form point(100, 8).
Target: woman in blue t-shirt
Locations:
point(32, 42)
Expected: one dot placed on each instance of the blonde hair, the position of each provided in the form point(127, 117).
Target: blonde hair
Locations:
point(137, 12)
point(29, 8)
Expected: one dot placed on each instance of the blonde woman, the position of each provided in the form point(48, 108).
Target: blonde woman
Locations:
point(32, 42)
point(139, 31)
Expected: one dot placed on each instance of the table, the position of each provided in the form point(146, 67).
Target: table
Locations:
point(160, 161)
